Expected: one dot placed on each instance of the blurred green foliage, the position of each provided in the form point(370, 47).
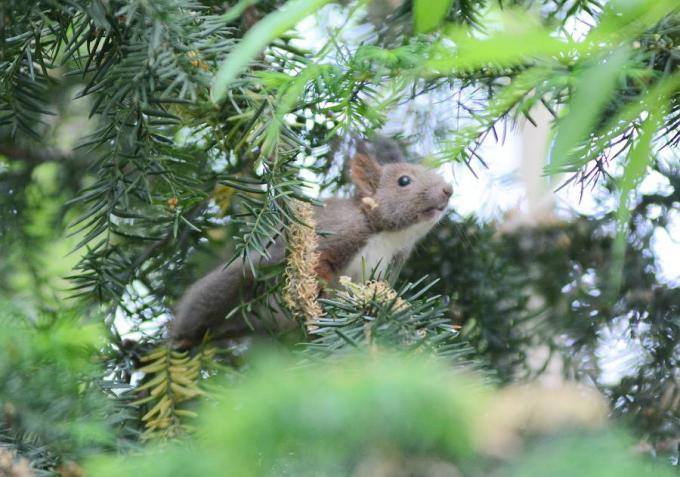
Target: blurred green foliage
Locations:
point(50, 397)
point(149, 138)
point(608, 455)
point(380, 415)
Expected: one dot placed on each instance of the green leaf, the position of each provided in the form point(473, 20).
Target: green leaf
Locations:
point(237, 10)
point(623, 121)
point(258, 37)
point(519, 40)
point(428, 14)
point(638, 160)
point(501, 105)
point(594, 89)
point(626, 18)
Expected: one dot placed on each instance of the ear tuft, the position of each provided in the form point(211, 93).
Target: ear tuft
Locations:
point(383, 149)
point(365, 173)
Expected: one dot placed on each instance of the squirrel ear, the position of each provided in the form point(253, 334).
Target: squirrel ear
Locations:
point(365, 173)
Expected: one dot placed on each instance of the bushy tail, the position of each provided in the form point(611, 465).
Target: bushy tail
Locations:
point(205, 305)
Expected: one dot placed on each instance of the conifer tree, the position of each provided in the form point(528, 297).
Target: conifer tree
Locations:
point(142, 143)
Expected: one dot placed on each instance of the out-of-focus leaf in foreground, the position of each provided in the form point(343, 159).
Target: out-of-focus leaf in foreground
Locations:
point(593, 90)
point(257, 38)
point(48, 380)
point(322, 421)
point(587, 455)
point(428, 14)
point(384, 414)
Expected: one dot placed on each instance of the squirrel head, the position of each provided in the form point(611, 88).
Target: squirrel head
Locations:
point(397, 195)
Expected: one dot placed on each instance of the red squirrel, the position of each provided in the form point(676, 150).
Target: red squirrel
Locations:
point(393, 207)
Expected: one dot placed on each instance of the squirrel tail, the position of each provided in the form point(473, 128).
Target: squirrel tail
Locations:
point(205, 305)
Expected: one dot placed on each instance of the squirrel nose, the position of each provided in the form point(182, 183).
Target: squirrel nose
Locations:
point(448, 190)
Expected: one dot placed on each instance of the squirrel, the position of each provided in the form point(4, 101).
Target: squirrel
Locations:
point(394, 206)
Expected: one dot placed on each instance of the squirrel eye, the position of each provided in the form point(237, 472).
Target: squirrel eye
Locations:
point(404, 181)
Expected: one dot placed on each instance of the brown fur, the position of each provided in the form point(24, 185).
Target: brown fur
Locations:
point(344, 226)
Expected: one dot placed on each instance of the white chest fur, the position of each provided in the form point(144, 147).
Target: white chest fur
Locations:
point(381, 248)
